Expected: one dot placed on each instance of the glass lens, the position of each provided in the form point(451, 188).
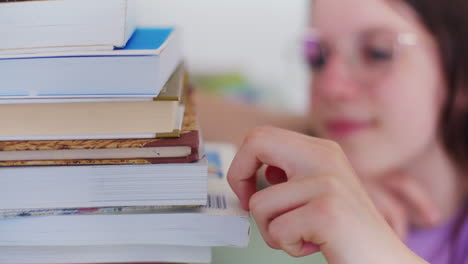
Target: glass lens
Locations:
point(374, 55)
point(369, 56)
point(315, 53)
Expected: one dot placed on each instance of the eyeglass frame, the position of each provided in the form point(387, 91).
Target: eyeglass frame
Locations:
point(401, 39)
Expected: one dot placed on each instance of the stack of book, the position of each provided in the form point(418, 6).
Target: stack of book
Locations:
point(101, 158)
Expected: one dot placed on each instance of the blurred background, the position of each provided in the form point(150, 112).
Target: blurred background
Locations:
point(247, 50)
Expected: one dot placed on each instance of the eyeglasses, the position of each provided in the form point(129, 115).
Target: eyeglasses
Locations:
point(369, 56)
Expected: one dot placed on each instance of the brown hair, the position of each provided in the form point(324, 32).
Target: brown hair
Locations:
point(447, 20)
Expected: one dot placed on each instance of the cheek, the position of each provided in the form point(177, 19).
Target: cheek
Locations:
point(412, 103)
point(407, 110)
point(409, 117)
point(406, 126)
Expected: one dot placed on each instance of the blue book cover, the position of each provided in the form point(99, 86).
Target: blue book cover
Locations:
point(147, 39)
point(144, 41)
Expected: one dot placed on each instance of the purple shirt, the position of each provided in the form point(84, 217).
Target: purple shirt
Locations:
point(435, 244)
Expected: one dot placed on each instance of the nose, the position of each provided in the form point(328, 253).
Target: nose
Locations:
point(335, 82)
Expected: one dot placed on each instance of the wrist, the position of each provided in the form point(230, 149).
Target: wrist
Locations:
point(370, 247)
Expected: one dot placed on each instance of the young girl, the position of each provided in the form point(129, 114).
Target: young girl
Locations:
point(387, 181)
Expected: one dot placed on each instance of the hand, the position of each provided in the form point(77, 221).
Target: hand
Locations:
point(321, 206)
point(403, 202)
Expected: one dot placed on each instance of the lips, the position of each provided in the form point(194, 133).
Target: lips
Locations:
point(344, 127)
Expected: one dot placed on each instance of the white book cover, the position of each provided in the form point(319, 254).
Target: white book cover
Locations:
point(141, 68)
point(30, 27)
point(172, 91)
point(221, 222)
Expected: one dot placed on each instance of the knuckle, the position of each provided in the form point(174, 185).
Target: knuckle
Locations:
point(333, 145)
point(336, 151)
point(281, 235)
point(330, 150)
point(328, 144)
point(327, 185)
point(258, 132)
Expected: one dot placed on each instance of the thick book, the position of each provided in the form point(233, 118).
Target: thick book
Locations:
point(97, 120)
point(221, 222)
point(141, 68)
point(104, 254)
point(182, 149)
point(172, 91)
point(182, 184)
point(31, 27)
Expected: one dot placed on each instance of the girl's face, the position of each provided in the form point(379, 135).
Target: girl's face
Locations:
point(377, 84)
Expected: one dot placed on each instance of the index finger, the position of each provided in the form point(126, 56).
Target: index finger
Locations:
point(265, 145)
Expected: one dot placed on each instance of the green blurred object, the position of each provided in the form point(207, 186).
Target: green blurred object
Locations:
point(258, 252)
point(230, 85)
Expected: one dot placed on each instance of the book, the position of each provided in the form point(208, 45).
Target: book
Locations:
point(182, 184)
point(31, 27)
point(104, 254)
point(141, 68)
point(172, 91)
point(221, 222)
point(99, 120)
point(183, 149)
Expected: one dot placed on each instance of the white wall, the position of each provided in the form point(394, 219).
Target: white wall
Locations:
point(256, 37)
